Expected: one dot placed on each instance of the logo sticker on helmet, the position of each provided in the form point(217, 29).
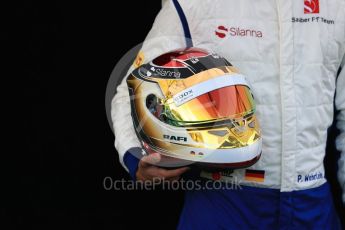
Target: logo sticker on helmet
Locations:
point(167, 73)
point(184, 96)
point(175, 138)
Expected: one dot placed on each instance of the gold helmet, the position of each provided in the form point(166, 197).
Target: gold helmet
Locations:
point(195, 107)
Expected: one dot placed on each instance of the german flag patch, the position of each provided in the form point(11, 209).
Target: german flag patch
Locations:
point(255, 175)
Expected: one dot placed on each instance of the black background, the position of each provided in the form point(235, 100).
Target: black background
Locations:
point(69, 50)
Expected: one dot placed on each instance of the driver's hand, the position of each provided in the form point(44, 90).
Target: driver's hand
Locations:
point(148, 171)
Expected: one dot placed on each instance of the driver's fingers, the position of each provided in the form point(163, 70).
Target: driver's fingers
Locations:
point(171, 173)
point(149, 160)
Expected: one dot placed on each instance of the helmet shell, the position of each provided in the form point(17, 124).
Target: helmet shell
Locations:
point(193, 106)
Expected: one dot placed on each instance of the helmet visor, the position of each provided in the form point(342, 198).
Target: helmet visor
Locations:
point(227, 102)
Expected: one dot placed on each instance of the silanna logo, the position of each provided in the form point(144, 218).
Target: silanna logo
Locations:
point(223, 32)
point(311, 7)
point(166, 73)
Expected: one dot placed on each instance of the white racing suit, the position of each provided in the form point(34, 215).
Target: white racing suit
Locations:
point(292, 53)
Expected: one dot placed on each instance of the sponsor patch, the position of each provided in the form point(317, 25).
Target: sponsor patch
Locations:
point(312, 20)
point(311, 7)
point(222, 174)
point(233, 31)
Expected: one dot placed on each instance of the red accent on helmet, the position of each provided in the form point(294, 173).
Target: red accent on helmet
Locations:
point(170, 59)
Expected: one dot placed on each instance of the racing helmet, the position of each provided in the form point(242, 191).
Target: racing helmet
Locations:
point(193, 106)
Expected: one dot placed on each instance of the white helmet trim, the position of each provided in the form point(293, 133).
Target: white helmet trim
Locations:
point(208, 86)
